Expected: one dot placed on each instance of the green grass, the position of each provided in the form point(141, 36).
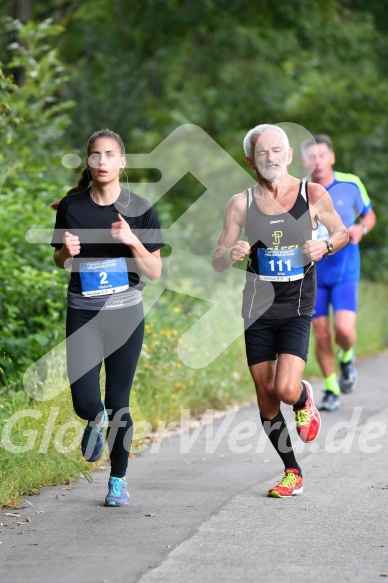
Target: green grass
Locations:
point(372, 325)
point(37, 428)
point(163, 386)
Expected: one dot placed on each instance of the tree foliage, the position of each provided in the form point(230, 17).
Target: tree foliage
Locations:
point(31, 131)
point(143, 69)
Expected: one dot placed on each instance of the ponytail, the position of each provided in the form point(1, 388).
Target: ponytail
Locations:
point(83, 183)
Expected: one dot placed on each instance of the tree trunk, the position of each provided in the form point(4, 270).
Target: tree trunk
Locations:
point(21, 10)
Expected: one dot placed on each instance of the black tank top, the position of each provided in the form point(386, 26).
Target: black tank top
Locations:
point(280, 280)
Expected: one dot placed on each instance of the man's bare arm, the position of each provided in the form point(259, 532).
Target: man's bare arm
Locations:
point(366, 224)
point(229, 248)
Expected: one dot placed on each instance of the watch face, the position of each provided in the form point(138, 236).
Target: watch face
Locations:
point(329, 247)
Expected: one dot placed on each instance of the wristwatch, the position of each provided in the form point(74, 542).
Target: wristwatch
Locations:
point(330, 247)
point(364, 229)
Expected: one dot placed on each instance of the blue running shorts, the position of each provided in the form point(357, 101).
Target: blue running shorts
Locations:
point(342, 296)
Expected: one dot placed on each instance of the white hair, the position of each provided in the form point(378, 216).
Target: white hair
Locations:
point(257, 131)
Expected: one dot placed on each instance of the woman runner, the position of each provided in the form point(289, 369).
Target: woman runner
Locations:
point(110, 237)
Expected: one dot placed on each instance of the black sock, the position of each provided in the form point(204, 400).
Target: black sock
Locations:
point(301, 402)
point(277, 431)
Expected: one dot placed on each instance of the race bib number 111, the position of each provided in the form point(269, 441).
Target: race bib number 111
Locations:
point(280, 264)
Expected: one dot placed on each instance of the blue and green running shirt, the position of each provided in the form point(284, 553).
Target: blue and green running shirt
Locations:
point(351, 201)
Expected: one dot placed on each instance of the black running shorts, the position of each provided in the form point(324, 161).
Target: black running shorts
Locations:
point(266, 338)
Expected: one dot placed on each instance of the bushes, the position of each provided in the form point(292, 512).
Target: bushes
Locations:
point(164, 384)
point(31, 176)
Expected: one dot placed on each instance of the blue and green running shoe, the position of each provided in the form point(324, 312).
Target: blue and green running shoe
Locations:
point(92, 442)
point(118, 493)
point(348, 376)
point(329, 402)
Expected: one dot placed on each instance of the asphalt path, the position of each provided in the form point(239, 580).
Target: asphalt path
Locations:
point(199, 510)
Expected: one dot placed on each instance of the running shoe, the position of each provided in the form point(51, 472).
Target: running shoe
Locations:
point(290, 485)
point(118, 493)
point(330, 402)
point(348, 377)
point(308, 420)
point(92, 443)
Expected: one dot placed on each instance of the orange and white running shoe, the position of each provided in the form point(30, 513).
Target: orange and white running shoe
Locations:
point(308, 419)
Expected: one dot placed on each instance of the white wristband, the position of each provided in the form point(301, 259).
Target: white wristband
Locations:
point(228, 258)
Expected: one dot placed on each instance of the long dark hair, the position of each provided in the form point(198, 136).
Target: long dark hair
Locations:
point(85, 176)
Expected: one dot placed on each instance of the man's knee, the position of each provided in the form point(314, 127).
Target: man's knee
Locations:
point(288, 392)
point(345, 332)
point(345, 327)
point(322, 331)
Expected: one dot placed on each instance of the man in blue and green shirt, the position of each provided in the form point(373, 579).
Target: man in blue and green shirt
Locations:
point(338, 276)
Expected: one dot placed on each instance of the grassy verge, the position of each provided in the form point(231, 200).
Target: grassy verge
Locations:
point(163, 385)
point(39, 445)
point(372, 325)
point(40, 439)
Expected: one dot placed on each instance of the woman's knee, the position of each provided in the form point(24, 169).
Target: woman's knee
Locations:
point(86, 409)
point(82, 411)
point(119, 414)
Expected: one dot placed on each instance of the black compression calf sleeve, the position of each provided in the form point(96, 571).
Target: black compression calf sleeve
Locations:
point(278, 434)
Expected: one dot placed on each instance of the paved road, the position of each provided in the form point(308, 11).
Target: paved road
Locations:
point(211, 520)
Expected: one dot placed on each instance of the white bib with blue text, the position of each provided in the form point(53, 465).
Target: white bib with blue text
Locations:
point(106, 276)
point(280, 264)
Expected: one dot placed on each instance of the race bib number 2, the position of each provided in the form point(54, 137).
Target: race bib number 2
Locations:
point(280, 264)
point(107, 276)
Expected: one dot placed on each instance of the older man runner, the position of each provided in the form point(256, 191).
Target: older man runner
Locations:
point(280, 216)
